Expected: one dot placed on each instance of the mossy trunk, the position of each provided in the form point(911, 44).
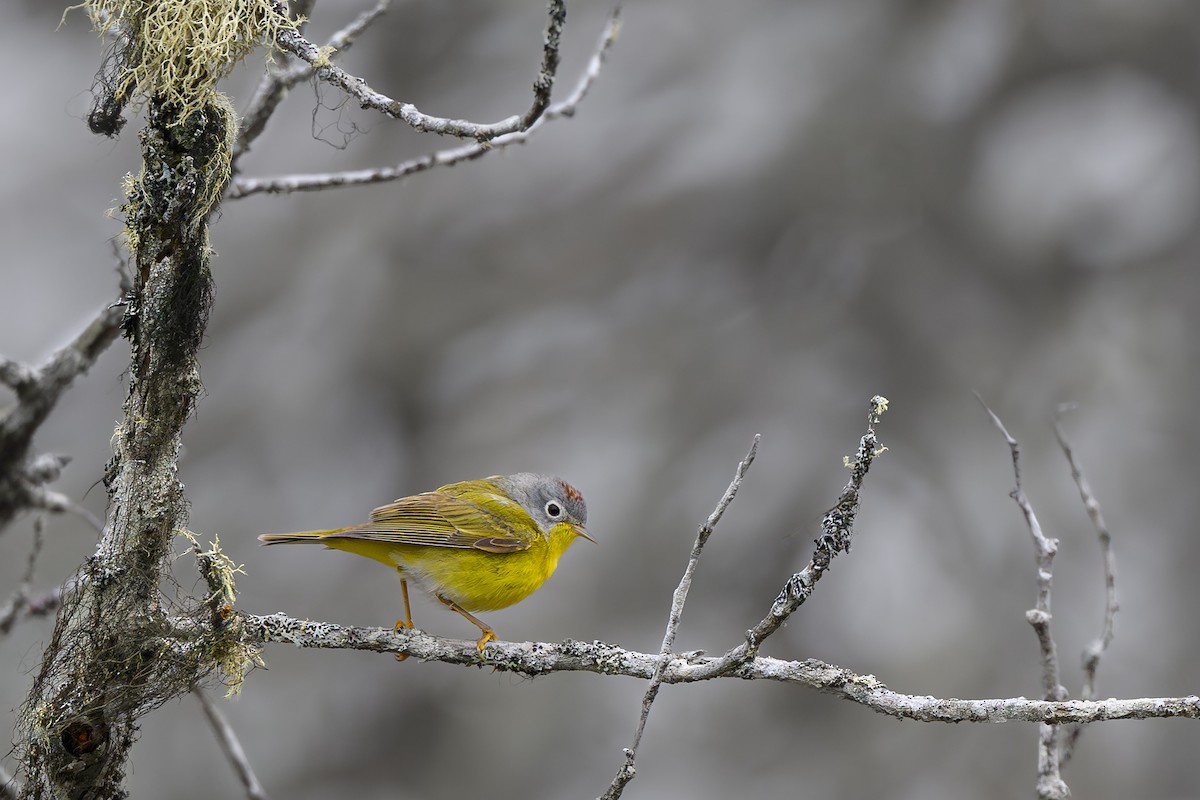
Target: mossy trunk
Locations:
point(114, 654)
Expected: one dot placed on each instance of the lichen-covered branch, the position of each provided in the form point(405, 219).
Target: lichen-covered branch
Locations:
point(308, 182)
point(837, 531)
point(111, 656)
point(292, 42)
point(277, 81)
point(533, 659)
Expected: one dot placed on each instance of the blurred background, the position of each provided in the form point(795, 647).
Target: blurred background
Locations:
point(764, 213)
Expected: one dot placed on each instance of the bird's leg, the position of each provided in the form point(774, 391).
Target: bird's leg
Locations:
point(489, 635)
point(407, 621)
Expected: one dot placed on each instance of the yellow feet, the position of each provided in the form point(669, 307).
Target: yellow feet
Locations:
point(402, 625)
point(489, 635)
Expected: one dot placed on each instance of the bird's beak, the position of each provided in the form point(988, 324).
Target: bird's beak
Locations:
point(579, 531)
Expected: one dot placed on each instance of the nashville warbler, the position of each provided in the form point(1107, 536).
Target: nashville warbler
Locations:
point(474, 545)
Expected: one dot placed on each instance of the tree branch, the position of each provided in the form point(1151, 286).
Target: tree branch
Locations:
point(38, 391)
point(533, 659)
point(107, 661)
point(285, 184)
point(230, 745)
point(294, 43)
point(20, 599)
point(627, 771)
point(1050, 784)
point(276, 83)
point(1097, 648)
point(837, 529)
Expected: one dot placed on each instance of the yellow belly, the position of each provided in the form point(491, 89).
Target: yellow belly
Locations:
point(474, 579)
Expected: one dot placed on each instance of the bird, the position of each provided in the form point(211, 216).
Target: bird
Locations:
point(477, 545)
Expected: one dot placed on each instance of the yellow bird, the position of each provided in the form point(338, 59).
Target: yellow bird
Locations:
point(475, 545)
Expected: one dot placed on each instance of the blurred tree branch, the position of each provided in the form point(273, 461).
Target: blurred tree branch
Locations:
point(231, 746)
point(23, 479)
point(1097, 648)
point(1050, 785)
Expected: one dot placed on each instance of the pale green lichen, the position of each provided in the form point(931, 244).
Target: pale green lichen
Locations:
point(175, 51)
point(225, 644)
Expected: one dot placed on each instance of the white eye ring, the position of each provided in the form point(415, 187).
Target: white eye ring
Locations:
point(553, 510)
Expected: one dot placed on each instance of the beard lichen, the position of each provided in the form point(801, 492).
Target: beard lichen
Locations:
point(175, 51)
point(223, 637)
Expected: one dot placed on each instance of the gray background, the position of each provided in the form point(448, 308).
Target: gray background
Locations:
point(765, 213)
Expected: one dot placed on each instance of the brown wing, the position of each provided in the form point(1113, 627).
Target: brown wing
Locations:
point(440, 519)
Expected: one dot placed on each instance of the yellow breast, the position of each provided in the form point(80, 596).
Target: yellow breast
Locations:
point(474, 579)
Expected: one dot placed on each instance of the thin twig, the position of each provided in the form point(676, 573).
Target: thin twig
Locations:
point(1050, 784)
point(533, 659)
point(276, 82)
point(22, 604)
point(837, 530)
point(20, 599)
point(230, 745)
point(628, 769)
point(1093, 652)
point(243, 187)
point(292, 42)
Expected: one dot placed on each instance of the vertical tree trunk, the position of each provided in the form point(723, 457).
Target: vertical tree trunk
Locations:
point(112, 655)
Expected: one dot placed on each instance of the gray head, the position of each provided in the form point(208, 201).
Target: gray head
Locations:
point(548, 500)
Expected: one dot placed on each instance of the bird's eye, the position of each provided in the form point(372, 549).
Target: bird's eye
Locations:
point(553, 510)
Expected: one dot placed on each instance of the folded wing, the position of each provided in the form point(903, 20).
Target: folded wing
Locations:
point(474, 517)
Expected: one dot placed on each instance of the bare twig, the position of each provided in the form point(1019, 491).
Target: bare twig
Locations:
point(276, 83)
point(292, 42)
point(533, 659)
point(837, 528)
point(22, 604)
point(20, 599)
point(1093, 652)
point(284, 184)
point(628, 769)
point(230, 745)
point(1050, 783)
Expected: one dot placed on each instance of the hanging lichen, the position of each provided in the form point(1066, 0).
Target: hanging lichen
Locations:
point(174, 51)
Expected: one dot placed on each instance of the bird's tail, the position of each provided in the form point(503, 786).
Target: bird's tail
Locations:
point(300, 537)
